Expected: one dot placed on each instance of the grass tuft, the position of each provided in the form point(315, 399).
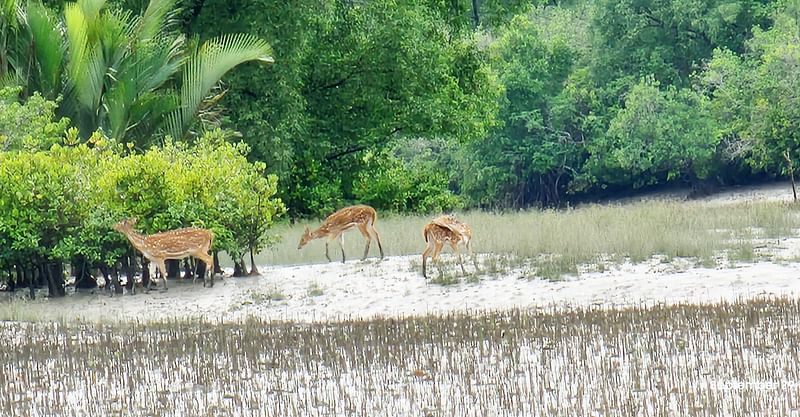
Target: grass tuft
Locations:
point(558, 242)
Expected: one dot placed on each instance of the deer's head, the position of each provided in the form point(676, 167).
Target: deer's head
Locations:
point(125, 225)
point(305, 238)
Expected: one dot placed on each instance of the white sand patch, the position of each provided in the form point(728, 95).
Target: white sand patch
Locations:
point(389, 288)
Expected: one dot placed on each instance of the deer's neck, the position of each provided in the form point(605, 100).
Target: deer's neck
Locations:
point(325, 230)
point(137, 239)
point(322, 231)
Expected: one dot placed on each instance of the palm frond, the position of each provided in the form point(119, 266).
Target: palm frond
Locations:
point(9, 13)
point(117, 102)
point(77, 39)
point(85, 65)
point(173, 124)
point(150, 107)
point(208, 65)
point(48, 48)
point(144, 72)
point(91, 8)
point(115, 31)
point(159, 60)
point(9, 80)
point(157, 18)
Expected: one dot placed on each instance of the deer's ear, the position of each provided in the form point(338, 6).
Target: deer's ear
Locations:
point(133, 220)
point(307, 231)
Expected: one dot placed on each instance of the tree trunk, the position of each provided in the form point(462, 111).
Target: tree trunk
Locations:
point(12, 280)
point(115, 280)
point(790, 164)
point(217, 267)
point(239, 268)
point(31, 282)
point(20, 276)
point(130, 274)
point(145, 272)
point(201, 269)
point(111, 276)
point(54, 273)
point(83, 274)
point(253, 268)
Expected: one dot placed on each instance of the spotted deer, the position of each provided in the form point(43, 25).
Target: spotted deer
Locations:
point(446, 229)
point(173, 244)
point(333, 228)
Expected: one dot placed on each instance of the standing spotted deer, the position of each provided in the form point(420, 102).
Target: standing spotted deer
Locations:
point(446, 229)
point(173, 244)
point(336, 224)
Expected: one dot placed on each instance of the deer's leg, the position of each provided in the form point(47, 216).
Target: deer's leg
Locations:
point(161, 266)
point(435, 258)
point(152, 277)
point(194, 272)
point(210, 266)
point(328, 257)
point(428, 249)
point(378, 238)
point(454, 245)
point(472, 255)
point(209, 261)
point(341, 244)
point(363, 229)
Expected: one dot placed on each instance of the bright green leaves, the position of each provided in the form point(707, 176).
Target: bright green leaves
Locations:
point(41, 201)
point(28, 126)
point(406, 184)
point(205, 68)
point(210, 184)
point(523, 161)
point(61, 203)
point(658, 136)
point(755, 96)
point(350, 79)
point(49, 50)
point(130, 76)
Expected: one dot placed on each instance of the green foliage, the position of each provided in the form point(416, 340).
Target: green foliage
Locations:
point(464, 15)
point(525, 161)
point(29, 125)
point(408, 106)
point(352, 78)
point(210, 185)
point(41, 198)
point(668, 39)
point(117, 71)
point(658, 136)
point(413, 186)
point(61, 203)
point(755, 95)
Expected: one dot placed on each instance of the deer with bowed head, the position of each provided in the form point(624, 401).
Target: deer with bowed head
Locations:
point(446, 229)
point(173, 244)
point(333, 228)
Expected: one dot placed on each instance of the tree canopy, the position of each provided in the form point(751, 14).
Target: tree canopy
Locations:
point(219, 113)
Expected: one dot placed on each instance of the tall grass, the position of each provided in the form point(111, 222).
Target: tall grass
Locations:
point(576, 236)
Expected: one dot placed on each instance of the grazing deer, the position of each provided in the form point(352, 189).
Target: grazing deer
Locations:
point(336, 224)
point(173, 244)
point(446, 229)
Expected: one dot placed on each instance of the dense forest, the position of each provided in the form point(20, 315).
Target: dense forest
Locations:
point(232, 114)
point(497, 104)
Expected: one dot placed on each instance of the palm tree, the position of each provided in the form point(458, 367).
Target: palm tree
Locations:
point(131, 76)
